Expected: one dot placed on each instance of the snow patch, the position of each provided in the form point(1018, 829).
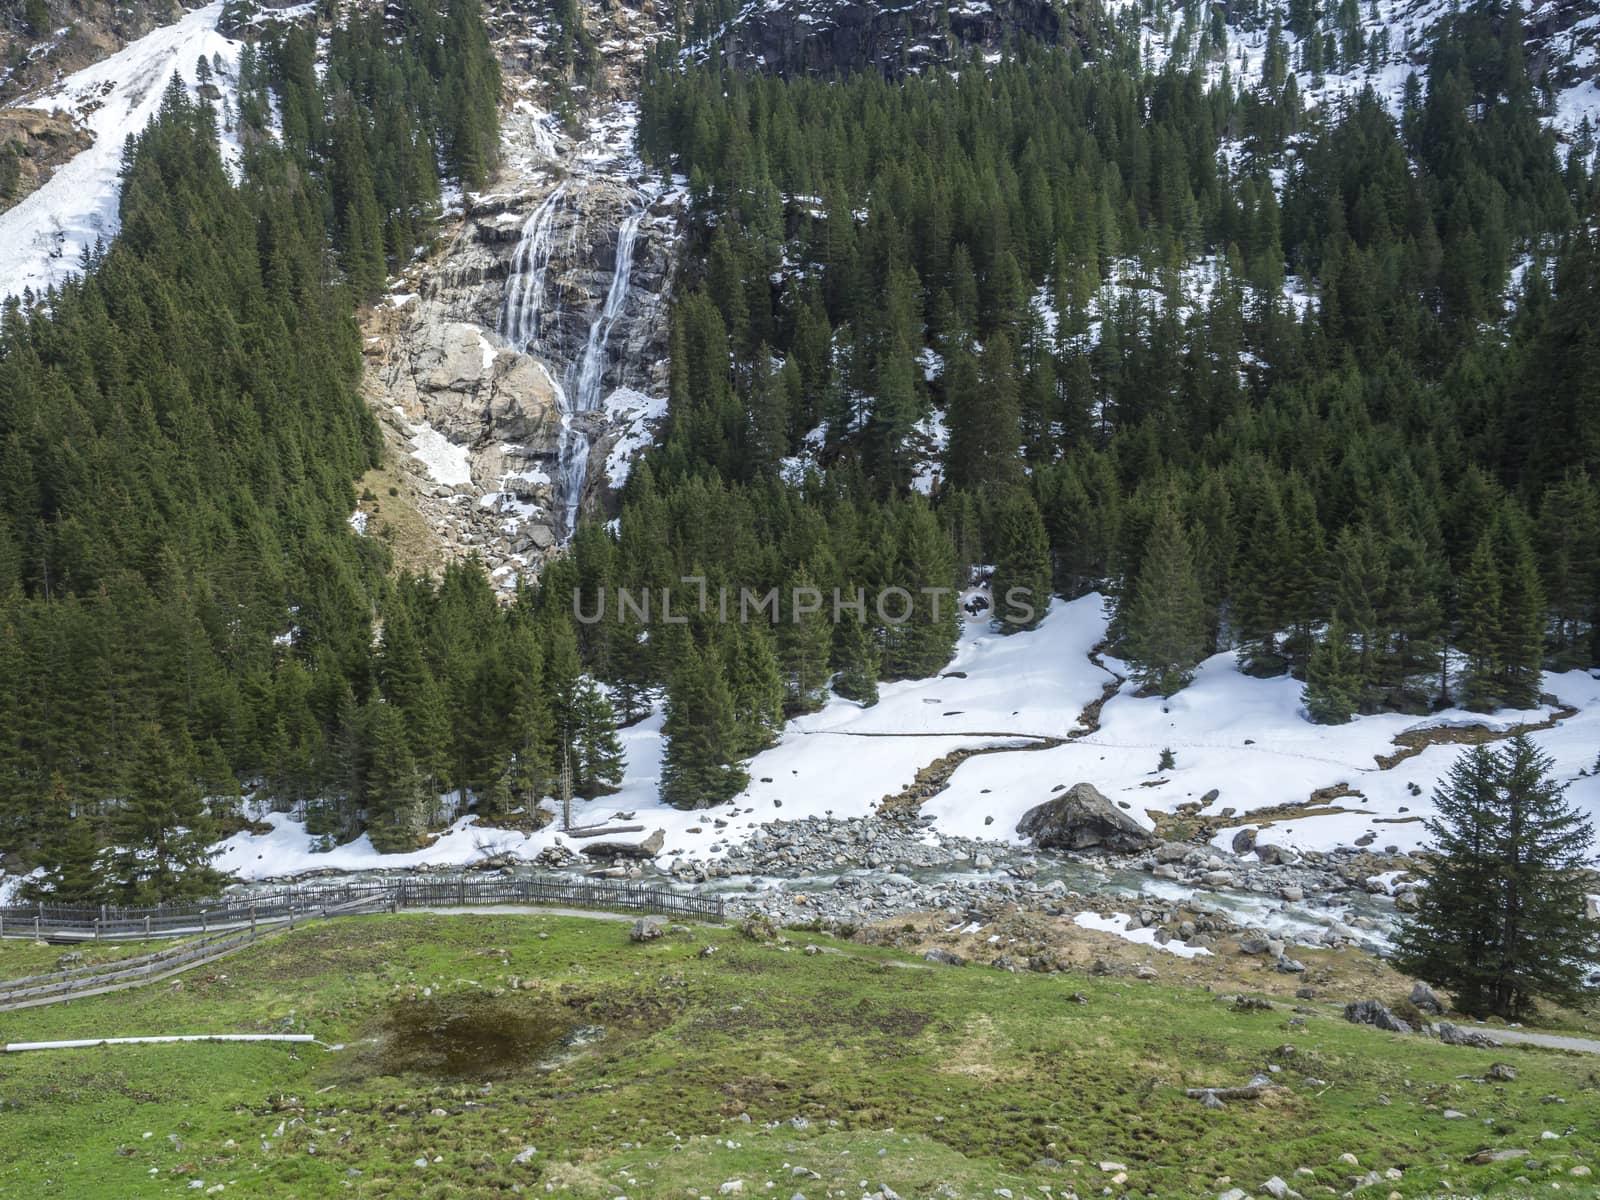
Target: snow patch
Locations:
point(43, 238)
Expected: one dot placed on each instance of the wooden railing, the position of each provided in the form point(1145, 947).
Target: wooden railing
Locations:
point(65, 923)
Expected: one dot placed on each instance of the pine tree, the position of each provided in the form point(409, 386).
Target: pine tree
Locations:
point(396, 813)
point(1022, 572)
point(1165, 625)
point(1503, 920)
point(1333, 678)
point(856, 654)
point(700, 766)
point(597, 758)
point(162, 833)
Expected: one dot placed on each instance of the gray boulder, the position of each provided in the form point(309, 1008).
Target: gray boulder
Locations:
point(1376, 1014)
point(1455, 1035)
point(648, 929)
point(1244, 841)
point(1081, 818)
point(649, 848)
point(1426, 999)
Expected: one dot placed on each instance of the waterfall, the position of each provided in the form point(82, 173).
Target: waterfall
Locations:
point(591, 372)
point(519, 322)
point(592, 369)
point(519, 325)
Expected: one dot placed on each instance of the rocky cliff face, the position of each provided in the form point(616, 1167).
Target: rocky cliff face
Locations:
point(821, 37)
point(492, 365)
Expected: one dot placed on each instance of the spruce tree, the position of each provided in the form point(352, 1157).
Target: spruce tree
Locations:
point(1022, 572)
point(1165, 621)
point(1503, 921)
point(805, 639)
point(396, 812)
point(700, 767)
point(1480, 623)
point(73, 873)
point(1333, 678)
point(597, 758)
point(162, 833)
point(1519, 636)
point(755, 681)
point(856, 653)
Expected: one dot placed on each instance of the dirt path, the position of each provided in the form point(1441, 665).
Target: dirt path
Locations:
point(1554, 1041)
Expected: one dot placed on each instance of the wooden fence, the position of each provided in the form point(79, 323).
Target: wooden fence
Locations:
point(66, 924)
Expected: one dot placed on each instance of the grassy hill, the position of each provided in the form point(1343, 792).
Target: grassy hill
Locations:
point(671, 1070)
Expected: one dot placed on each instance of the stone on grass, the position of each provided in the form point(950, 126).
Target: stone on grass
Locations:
point(648, 929)
point(1376, 1014)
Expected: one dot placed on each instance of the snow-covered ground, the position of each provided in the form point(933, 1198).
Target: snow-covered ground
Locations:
point(1406, 24)
point(43, 237)
point(1120, 927)
point(635, 416)
point(1246, 738)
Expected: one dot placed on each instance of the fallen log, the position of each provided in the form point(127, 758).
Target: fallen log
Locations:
point(589, 831)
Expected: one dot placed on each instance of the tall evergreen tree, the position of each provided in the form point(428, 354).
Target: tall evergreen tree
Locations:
point(1022, 574)
point(162, 832)
point(1503, 921)
point(700, 767)
point(1165, 627)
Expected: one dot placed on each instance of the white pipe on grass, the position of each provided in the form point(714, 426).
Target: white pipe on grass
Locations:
point(80, 1043)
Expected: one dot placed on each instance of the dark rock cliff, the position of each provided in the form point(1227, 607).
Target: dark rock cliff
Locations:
point(823, 37)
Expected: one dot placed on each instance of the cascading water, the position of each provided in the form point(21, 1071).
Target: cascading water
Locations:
point(592, 369)
point(574, 466)
point(520, 325)
point(519, 320)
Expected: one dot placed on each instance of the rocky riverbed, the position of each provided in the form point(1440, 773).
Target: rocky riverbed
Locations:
point(843, 873)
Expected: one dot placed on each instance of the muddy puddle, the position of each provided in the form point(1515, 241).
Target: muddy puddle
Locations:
point(465, 1038)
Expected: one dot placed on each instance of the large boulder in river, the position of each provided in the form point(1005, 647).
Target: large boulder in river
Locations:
point(649, 848)
point(1081, 818)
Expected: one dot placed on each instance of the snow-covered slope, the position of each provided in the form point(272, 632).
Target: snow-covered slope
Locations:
point(1563, 47)
point(43, 238)
point(1245, 738)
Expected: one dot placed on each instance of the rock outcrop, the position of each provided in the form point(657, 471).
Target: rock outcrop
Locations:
point(490, 366)
point(35, 143)
point(1082, 818)
point(823, 37)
